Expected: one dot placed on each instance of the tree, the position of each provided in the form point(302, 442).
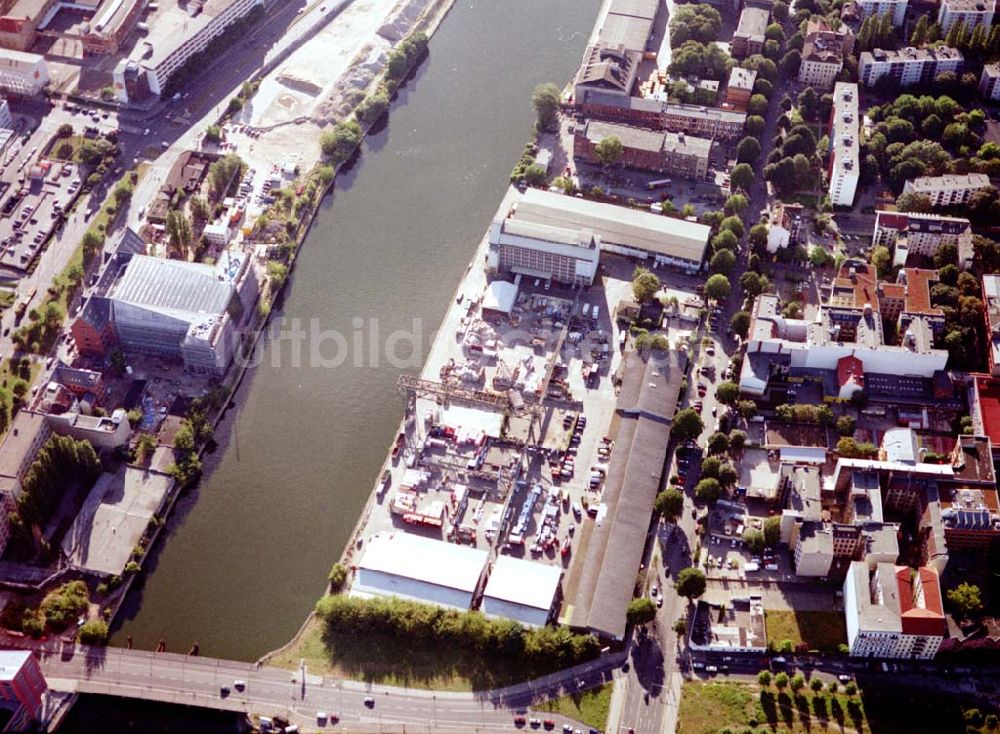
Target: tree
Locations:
point(735, 204)
point(764, 678)
point(641, 611)
point(965, 599)
point(670, 504)
point(213, 134)
point(340, 142)
point(700, 23)
point(753, 540)
point(545, 99)
point(845, 425)
point(772, 531)
point(200, 209)
point(708, 490)
point(808, 100)
point(609, 151)
point(753, 284)
point(645, 284)
point(919, 34)
point(791, 62)
point(765, 68)
point(851, 688)
point(534, 175)
point(757, 105)
point(737, 440)
point(725, 240)
point(722, 261)
point(748, 150)
point(797, 682)
point(728, 476)
point(816, 684)
point(122, 192)
point(680, 627)
point(718, 443)
point(727, 393)
point(708, 62)
point(178, 230)
point(93, 632)
point(758, 235)
point(717, 288)
point(690, 583)
point(755, 125)
point(881, 259)
point(145, 445)
point(710, 466)
point(913, 202)
point(763, 87)
point(337, 576)
point(687, 425)
point(742, 175)
point(734, 225)
point(781, 681)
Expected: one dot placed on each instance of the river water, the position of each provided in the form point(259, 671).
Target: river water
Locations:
point(247, 552)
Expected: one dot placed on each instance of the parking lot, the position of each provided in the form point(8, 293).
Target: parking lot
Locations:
point(30, 215)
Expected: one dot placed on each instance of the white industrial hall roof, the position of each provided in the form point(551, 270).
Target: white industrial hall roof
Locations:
point(528, 583)
point(423, 559)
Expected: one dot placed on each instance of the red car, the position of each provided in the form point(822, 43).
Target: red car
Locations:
point(519, 721)
point(549, 724)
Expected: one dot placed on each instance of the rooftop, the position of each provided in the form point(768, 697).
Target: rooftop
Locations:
point(753, 22)
point(740, 78)
point(174, 24)
point(616, 224)
point(845, 123)
point(948, 182)
point(23, 433)
point(627, 31)
point(645, 139)
point(173, 286)
point(823, 44)
point(970, 6)
point(423, 559)
point(11, 662)
point(609, 67)
point(909, 53)
point(523, 582)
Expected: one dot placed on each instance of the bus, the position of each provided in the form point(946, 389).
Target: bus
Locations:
point(658, 184)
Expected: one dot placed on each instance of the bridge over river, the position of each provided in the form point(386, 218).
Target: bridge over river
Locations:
point(297, 695)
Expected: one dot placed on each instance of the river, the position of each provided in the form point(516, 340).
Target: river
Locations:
point(246, 553)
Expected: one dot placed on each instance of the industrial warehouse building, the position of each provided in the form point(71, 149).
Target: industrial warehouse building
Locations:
point(419, 569)
point(646, 405)
point(524, 591)
point(621, 230)
point(173, 309)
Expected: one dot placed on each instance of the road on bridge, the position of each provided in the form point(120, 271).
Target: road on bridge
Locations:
point(198, 681)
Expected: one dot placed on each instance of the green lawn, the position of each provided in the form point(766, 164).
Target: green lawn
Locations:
point(819, 630)
point(412, 663)
point(712, 708)
point(590, 707)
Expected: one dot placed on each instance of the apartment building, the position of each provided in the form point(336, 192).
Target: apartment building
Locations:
point(22, 74)
point(893, 611)
point(645, 149)
point(991, 303)
point(845, 169)
point(896, 9)
point(703, 122)
point(909, 66)
point(749, 36)
point(971, 12)
point(568, 256)
point(989, 82)
point(177, 35)
point(913, 234)
point(823, 54)
point(784, 222)
point(740, 87)
point(948, 190)
point(22, 687)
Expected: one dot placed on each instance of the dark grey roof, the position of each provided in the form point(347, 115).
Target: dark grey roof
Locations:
point(97, 312)
point(650, 385)
point(634, 477)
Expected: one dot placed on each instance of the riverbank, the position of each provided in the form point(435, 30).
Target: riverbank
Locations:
point(304, 443)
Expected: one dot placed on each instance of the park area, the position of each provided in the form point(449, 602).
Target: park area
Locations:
point(815, 630)
point(589, 707)
point(713, 708)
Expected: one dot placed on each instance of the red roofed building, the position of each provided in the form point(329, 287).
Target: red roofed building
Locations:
point(850, 376)
point(921, 609)
point(893, 611)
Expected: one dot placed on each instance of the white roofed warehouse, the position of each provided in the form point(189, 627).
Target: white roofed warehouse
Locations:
point(524, 591)
point(625, 231)
point(419, 569)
